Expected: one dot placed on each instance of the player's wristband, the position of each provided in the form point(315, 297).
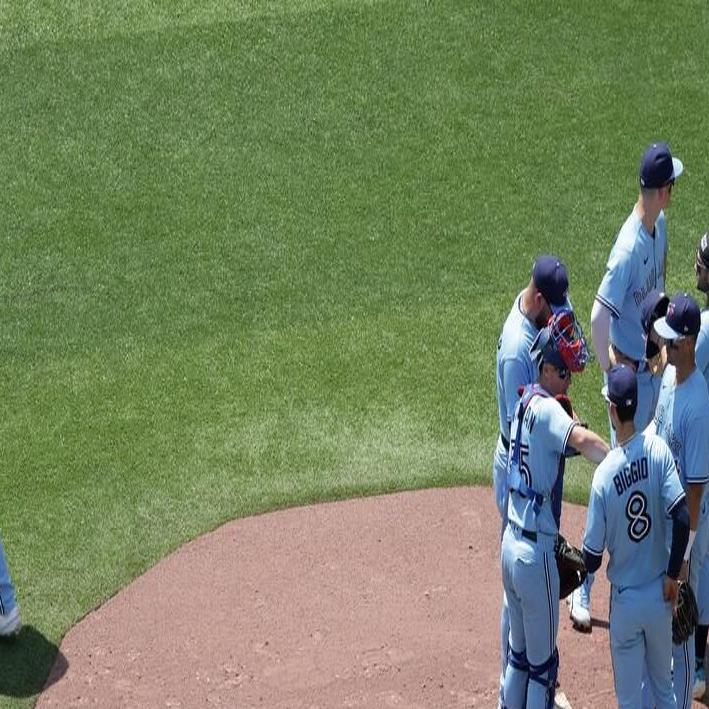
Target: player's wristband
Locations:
point(688, 550)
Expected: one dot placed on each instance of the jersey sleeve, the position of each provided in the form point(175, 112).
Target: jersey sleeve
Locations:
point(594, 539)
point(701, 350)
point(616, 281)
point(557, 425)
point(696, 440)
point(662, 266)
point(670, 485)
point(514, 375)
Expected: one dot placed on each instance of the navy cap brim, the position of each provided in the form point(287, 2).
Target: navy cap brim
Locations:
point(665, 331)
point(677, 168)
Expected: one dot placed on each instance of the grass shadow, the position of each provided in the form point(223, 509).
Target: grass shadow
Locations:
point(27, 662)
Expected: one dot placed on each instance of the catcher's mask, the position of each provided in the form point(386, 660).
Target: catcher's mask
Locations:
point(561, 343)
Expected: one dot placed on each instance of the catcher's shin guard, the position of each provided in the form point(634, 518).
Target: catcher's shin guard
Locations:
point(545, 675)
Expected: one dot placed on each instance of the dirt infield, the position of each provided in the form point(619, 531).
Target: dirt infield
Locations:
point(390, 601)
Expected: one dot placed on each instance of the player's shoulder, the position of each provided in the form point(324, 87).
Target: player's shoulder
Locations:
point(628, 235)
point(703, 335)
point(516, 339)
point(656, 447)
point(606, 470)
point(698, 394)
point(615, 458)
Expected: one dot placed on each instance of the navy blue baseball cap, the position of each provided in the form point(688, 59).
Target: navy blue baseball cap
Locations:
point(550, 278)
point(683, 318)
point(622, 386)
point(658, 167)
point(654, 306)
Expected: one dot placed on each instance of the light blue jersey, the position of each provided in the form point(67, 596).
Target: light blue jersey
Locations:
point(635, 266)
point(701, 351)
point(515, 368)
point(543, 438)
point(701, 356)
point(682, 420)
point(633, 491)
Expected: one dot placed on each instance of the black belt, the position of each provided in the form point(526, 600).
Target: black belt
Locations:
point(505, 443)
point(532, 536)
point(639, 365)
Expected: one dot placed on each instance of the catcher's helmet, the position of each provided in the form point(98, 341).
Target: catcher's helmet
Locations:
point(561, 343)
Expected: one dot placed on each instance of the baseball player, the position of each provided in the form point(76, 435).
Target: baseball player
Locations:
point(634, 491)
point(545, 294)
point(540, 434)
point(701, 354)
point(682, 420)
point(636, 265)
point(10, 623)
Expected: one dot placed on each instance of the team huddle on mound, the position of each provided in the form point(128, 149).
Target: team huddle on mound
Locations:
point(647, 503)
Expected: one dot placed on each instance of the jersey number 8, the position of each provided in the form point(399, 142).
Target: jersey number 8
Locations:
point(636, 512)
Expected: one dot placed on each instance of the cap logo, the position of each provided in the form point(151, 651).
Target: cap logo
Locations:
point(671, 310)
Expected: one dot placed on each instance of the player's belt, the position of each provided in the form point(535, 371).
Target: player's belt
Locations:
point(505, 443)
point(532, 536)
point(621, 358)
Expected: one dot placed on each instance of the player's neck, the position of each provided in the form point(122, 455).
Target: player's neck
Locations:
point(526, 305)
point(648, 214)
point(624, 432)
point(683, 370)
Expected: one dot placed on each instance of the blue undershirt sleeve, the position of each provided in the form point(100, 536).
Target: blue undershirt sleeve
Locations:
point(680, 535)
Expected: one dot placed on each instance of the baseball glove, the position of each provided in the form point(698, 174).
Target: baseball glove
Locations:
point(569, 562)
point(686, 615)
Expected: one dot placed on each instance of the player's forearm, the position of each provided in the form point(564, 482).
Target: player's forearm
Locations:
point(589, 444)
point(694, 503)
point(600, 333)
point(680, 536)
point(592, 561)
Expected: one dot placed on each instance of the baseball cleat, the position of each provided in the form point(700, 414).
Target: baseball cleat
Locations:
point(561, 702)
point(10, 624)
point(700, 683)
point(580, 610)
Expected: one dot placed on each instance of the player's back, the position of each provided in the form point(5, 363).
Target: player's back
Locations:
point(635, 266)
point(701, 352)
point(514, 365)
point(636, 486)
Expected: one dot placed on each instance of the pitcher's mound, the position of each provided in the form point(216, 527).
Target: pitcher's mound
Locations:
point(389, 601)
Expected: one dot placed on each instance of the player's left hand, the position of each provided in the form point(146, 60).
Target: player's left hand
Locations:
point(670, 591)
point(684, 572)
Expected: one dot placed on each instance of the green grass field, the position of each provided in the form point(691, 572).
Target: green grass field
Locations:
point(258, 254)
